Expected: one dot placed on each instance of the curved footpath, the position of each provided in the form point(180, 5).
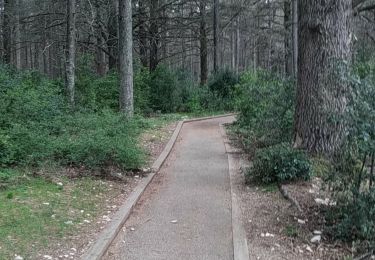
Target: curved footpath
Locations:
point(186, 211)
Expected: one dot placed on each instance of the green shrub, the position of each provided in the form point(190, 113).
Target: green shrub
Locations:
point(266, 106)
point(97, 93)
point(279, 163)
point(28, 97)
point(222, 83)
point(354, 217)
point(97, 140)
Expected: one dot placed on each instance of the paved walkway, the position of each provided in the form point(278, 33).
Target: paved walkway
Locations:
point(186, 211)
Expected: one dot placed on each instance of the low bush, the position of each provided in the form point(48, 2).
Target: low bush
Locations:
point(278, 164)
point(81, 139)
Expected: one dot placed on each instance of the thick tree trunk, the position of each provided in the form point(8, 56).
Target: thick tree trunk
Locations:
point(324, 46)
point(71, 51)
point(126, 57)
point(203, 43)
point(154, 34)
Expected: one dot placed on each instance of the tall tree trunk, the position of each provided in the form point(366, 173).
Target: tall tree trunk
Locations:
point(142, 33)
point(112, 41)
point(154, 34)
point(126, 57)
point(17, 35)
point(295, 37)
point(324, 44)
point(203, 43)
point(100, 56)
point(71, 51)
point(238, 43)
point(216, 34)
point(287, 39)
point(7, 32)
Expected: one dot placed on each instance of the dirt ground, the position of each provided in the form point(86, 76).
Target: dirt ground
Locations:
point(276, 229)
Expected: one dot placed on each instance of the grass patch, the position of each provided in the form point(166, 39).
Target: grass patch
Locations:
point(291, 231)
point(36, 212)
point(270, 188)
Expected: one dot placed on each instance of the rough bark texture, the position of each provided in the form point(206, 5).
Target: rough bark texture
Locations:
point(324, 45)
point(126, 57)
point(71, 51)
point(203, 43)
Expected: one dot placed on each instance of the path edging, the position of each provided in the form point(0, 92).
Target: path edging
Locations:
point(240, 246)
point(98, 249)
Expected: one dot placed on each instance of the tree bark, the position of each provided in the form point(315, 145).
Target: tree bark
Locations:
point(295, 37)
point(238, 44)
point(126, 57)
point(203, 43)
point(287, 40)
point(17, 35)
point(71, 51)
point(216, 34)
point(324, 48)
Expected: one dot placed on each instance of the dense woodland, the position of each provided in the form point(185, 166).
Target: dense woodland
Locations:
point(77, 76)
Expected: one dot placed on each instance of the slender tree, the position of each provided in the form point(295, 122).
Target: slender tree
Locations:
point(71, 50)
point(295, 36)
point(216, 34)
point(203, 42)
point(126, 57)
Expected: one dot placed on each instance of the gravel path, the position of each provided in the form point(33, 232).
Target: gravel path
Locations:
point(186, 211)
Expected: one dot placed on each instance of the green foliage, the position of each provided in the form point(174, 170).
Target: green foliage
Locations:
point(279, 163)
point(352, 183)
point(165, 96)
point(291, 231)
point(321, 167)
point(266, 106)
point(354, 217)
point(96, 93)
point(222, 83)
point(97, 140)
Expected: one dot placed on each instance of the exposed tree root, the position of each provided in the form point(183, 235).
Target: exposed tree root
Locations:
point(287, 196)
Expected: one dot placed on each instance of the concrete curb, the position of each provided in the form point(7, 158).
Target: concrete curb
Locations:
point(240, 247)
point(106, 237)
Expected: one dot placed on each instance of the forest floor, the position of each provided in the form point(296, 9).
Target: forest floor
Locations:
point(275, 228)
